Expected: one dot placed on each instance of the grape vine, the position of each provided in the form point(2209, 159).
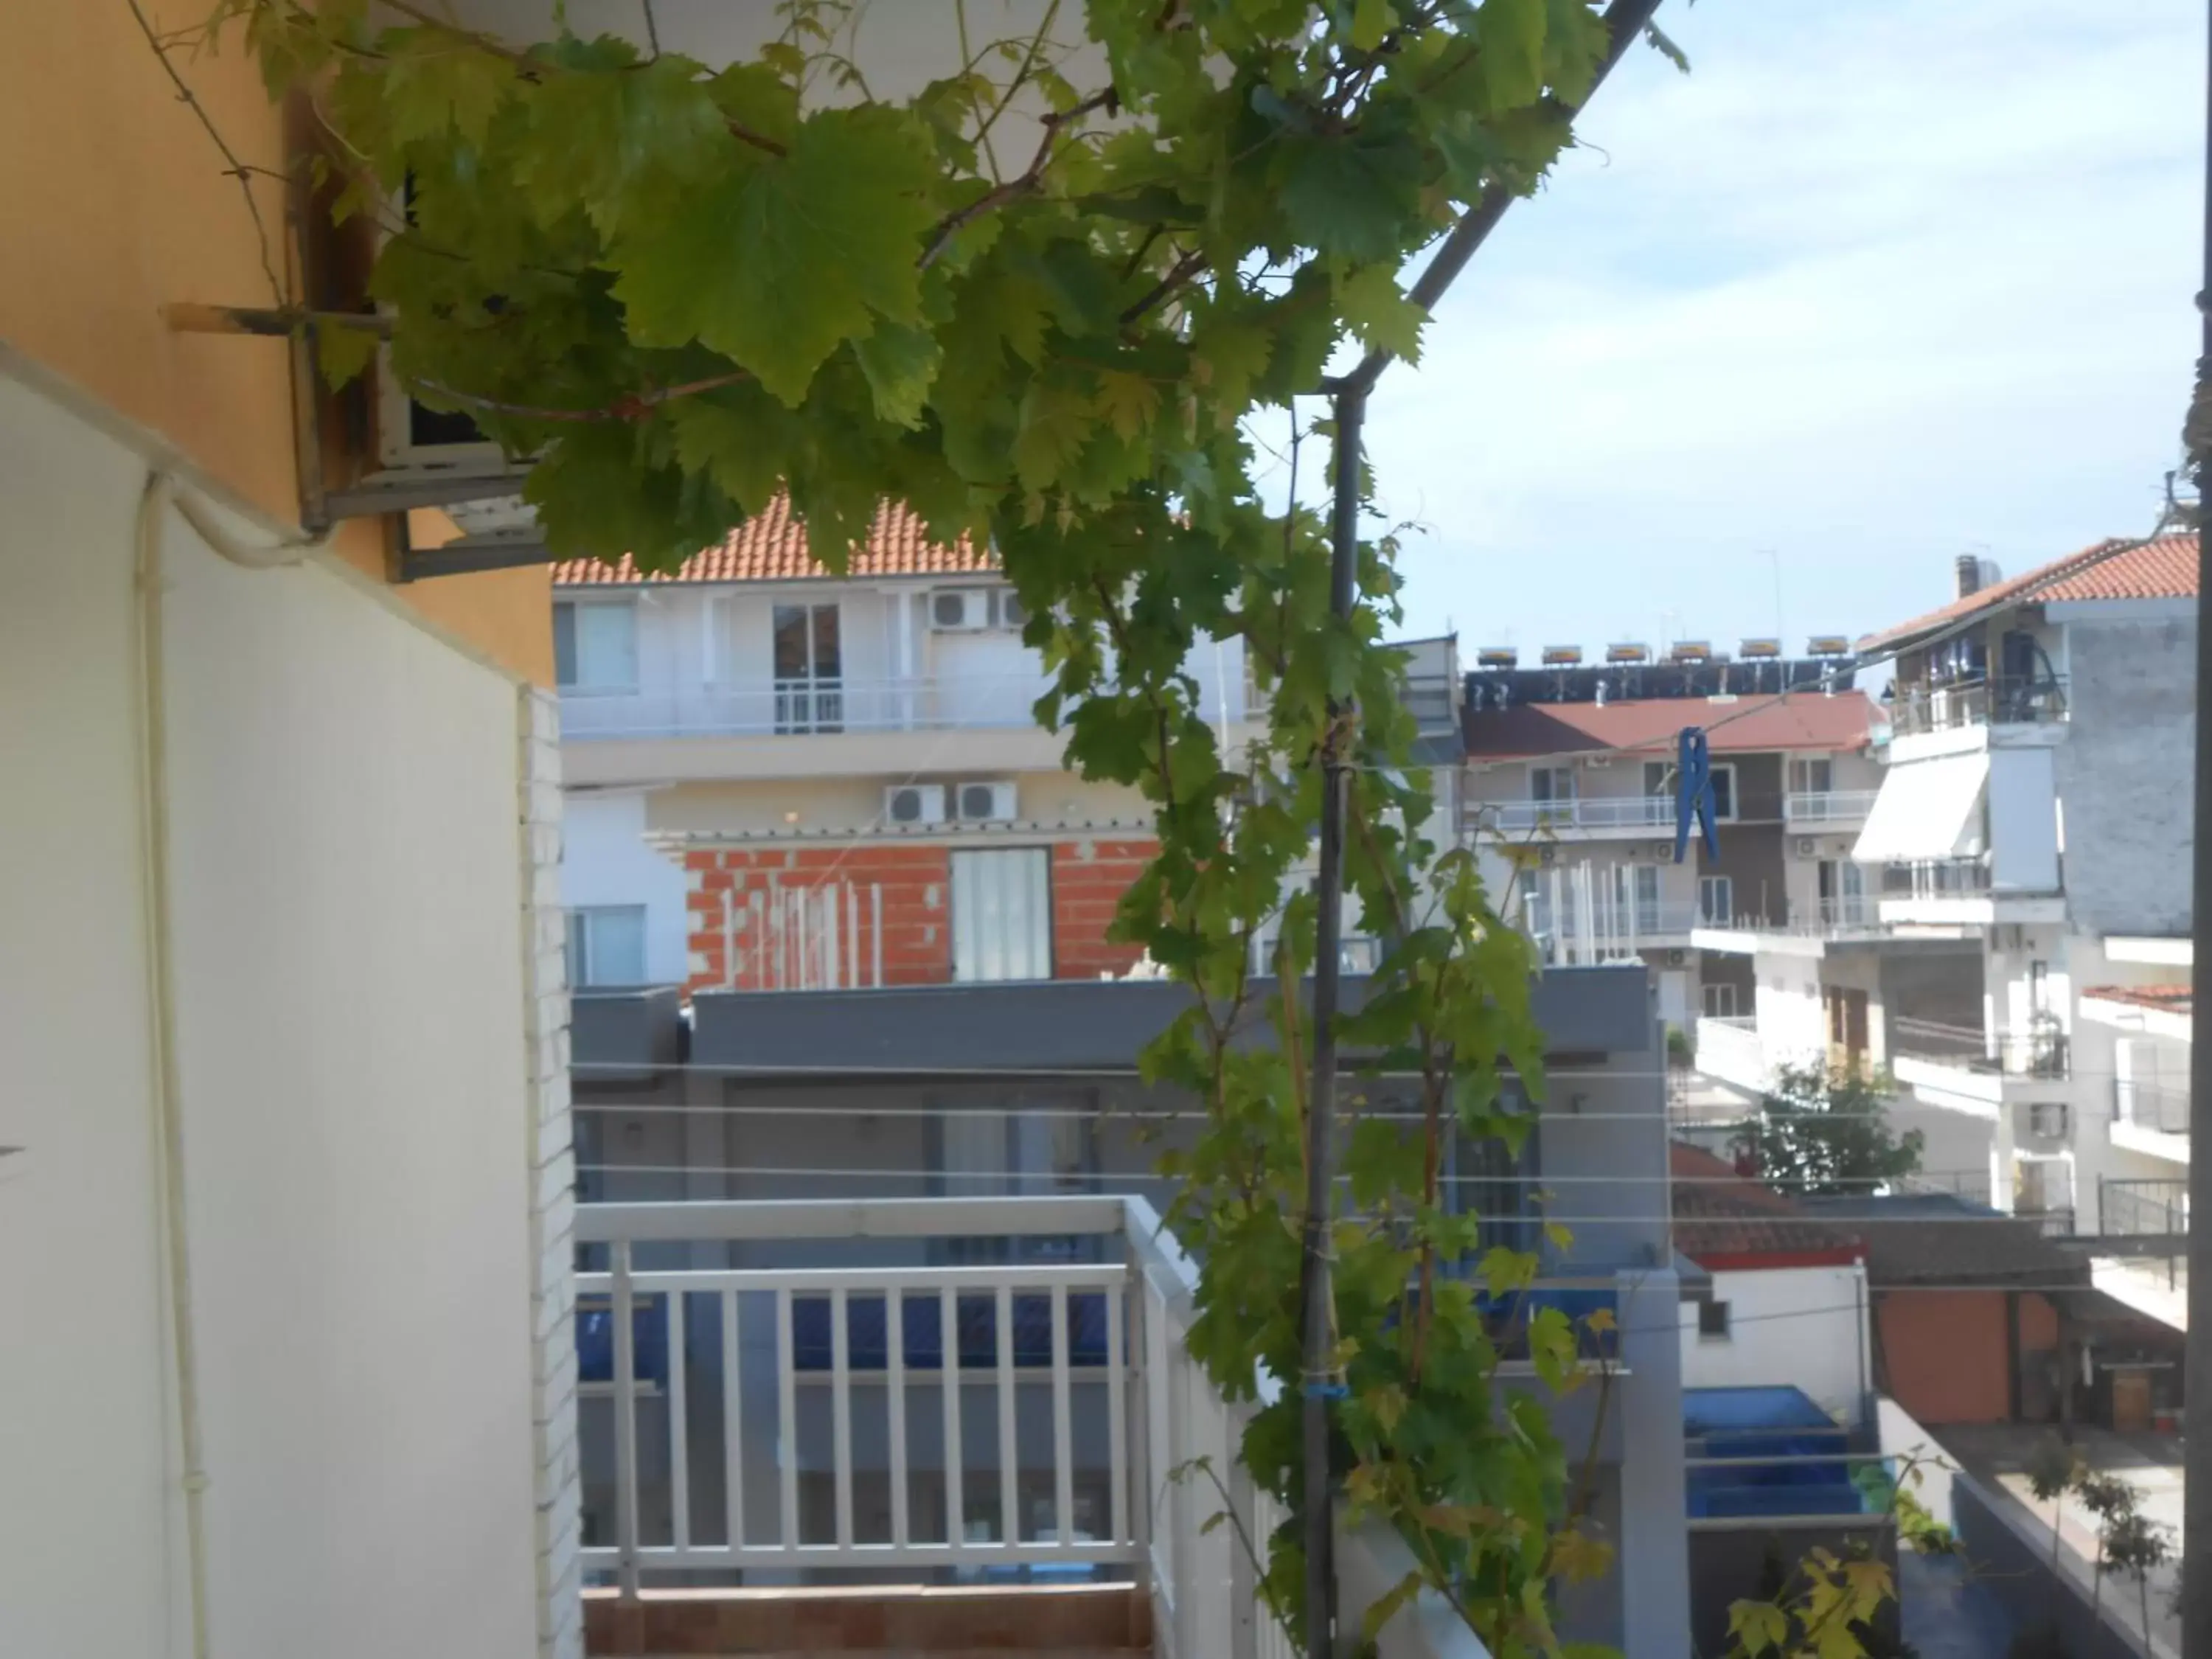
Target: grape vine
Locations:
point(1042, 300)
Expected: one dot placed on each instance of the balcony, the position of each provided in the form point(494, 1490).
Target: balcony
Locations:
point(2150, 1117)
point(1577, 935)
point(802, 708)
point(2040, 700)
point(799, 1421)
point(1729, 1048)
point(1827, 807)
point(1964, 1068)
point(1592, 815)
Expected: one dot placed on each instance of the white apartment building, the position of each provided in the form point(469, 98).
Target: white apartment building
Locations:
point(778, 779)
point(1570, 786)
point(2027, 862)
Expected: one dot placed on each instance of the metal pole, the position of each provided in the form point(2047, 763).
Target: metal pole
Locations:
point(2197, 1375)
point(1317, 1300)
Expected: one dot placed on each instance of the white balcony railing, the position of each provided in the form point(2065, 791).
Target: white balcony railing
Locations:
point(805, 708)
point(1595, 812)
point(805, 1419)
point(1727, 1047)
point(1828, 806)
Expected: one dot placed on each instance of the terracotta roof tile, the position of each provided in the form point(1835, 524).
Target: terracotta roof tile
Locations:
point(2162, 569)
point(2158, 999)
point(1800, 720)
point(771, 547)
point(1723, 1219)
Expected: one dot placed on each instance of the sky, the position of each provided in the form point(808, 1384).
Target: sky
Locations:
point(1879, 282)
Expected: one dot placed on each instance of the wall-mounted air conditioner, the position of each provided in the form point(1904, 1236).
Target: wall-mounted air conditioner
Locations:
point(1547, 855)
point(907, 804)
point(1598, 762)
point(1807, 847)
point(1663, 850)
point(1007, 610)
point(984, 802)
point(2049, 1120)
point(1678, 958)
point(960, 609)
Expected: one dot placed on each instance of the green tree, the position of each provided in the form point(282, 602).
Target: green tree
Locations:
point(1820, 1132)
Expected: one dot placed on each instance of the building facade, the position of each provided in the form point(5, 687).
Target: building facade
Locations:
point(783, 780)
point(1571, 788)
point(2027, 861)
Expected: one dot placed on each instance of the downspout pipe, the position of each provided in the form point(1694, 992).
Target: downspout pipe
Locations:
point(161, 496)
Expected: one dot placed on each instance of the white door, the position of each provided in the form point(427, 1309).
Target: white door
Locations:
point(1674, 998)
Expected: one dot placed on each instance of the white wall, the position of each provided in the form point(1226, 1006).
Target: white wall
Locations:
point(349, 1022)
point(1804, 1328)
point(605, 861)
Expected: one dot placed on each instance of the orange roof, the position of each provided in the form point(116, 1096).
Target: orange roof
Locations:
point(1800, 720)
point(2164, 568)
point(2158, 999)
point(771, 547)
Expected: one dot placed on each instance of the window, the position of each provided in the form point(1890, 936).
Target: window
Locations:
point(595, 646)
point(1552, 783)
point(1002, 915)
point(1658, 779)
point(1812, 777)
point(1717, 899)
point(1719, 1001)
point(808, 669)
point(1723, 793)
point(606, 946)
point(1712, 1321)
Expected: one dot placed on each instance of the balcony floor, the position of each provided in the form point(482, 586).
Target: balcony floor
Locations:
point(1071, 1621)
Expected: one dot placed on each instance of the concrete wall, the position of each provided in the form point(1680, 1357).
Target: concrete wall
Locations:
point(349, 933)
point(2122, 773)
point(605, 861)
point(1804, 1326)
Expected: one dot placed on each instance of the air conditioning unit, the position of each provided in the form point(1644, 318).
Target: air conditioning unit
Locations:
point(960, 609)
point(1547, 855)
point(1807, 847)
point(1678, 958)
point(1663, 850)
point(1007, 610)
point(2049, 1120)
point(907, 804)
point(984, 802)
point(1598, 762)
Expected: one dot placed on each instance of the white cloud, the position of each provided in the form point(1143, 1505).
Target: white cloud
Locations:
point(1876, 283)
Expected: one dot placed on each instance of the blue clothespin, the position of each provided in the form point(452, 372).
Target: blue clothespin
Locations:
point(1693, 771)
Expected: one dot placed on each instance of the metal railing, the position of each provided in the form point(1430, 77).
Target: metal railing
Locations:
point(1039, 1416)
point(2032, 701)
point(2036, 1053)
point(1937, 879)
point(807, 706)
point(1827, 806)
point(1970, 1184)
point(1596, 812)
point(2150, 1106)
point(2147, 1208)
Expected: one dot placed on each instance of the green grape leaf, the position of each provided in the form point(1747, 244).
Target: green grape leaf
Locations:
point(1380, 314)
point(901, 364)
point(343, 353)
point(789, 256)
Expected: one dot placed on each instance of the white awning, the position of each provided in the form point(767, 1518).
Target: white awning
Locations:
point(1929, 809)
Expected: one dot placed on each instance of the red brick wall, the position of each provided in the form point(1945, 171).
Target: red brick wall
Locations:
point(1088, 879)
point(916, 886)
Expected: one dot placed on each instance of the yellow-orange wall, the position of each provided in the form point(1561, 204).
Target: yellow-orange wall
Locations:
point(115, 204)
